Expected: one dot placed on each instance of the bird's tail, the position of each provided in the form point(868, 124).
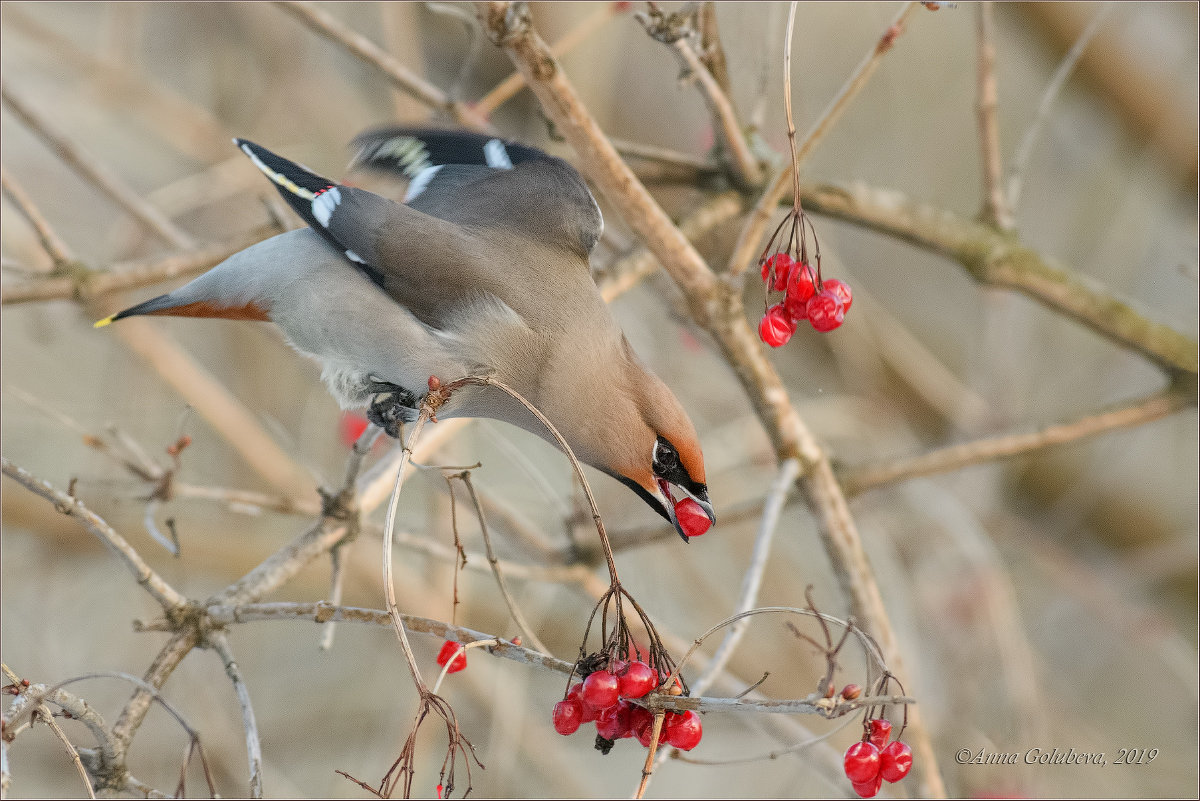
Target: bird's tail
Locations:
point(174, 305)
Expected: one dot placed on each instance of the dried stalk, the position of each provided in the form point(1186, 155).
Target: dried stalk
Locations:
point(755, 228)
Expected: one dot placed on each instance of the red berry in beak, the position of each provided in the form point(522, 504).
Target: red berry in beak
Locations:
point(692, 519)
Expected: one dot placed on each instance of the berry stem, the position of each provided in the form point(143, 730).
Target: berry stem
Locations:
point(787, 104)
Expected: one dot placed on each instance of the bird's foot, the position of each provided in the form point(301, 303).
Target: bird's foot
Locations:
point(392, 407)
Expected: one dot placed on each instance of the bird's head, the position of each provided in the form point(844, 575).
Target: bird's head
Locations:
point(661, 458)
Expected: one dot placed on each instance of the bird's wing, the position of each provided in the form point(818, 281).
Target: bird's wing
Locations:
point(484, 182)
point(429, 265)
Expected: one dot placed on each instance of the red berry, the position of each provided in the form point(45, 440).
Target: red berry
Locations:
point(684, 730)
point(567, 716)
point(881, 730)
point(639, 678)
point(600, 689)
point(841, 290)
point(861, 762)
point(590, 713)
point(781, 266)
point(351, 427)
point(868, 789)
point(800, 286)
point(693, 520)
point(851, 691)
point(895, 761)
point(825, 311)
point(449, 649)
point(776, 327)
point(613, 722)
point(641, 723)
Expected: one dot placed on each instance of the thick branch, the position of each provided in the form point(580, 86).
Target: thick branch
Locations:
point(716, 305)
point(1000, 260)
point(943, 460)
point(85, 283)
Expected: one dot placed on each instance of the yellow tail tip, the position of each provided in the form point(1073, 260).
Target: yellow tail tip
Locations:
point(104, 322)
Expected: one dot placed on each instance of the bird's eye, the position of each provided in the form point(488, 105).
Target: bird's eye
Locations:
point(665, 457)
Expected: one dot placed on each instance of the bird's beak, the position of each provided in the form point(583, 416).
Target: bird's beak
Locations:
point(666, 497)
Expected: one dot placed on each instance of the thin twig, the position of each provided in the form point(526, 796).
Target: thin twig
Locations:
point(389, 586)
point(1020, 162)
point(995, 209)
point(219, 640)
point(979, 451)
point(746, 169)
point(48, 718)
point(751, 235)
point(168, 598)
point(789, 469)
point(95, 173)
point(401, 76)
point(58, 250)
point(213, 401)
point(518, 617)
point(321, 612)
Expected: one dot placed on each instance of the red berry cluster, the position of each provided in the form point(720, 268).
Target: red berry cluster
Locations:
point(823, 302)
point(604, 697)
point(869, 762)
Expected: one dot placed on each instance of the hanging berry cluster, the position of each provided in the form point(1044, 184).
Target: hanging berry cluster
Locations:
point(604, 697)
point(873, 760)
point(807, 296)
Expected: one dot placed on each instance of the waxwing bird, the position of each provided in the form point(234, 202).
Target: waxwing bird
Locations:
point(483, 270)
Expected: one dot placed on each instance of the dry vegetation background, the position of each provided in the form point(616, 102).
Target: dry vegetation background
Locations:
point(1046, 600)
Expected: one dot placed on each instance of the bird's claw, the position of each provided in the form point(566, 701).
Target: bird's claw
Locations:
point(392, 408)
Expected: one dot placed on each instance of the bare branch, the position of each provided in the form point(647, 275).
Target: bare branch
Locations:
point(995, 209)
point(401, 76)
point(93, 171)
point(58, 250)
point(789, 470)
point(168, 598)
point(999, 260)
point(219, 640)
point(746, 169)
point(956, 457)
point(86, 284)
point(504, 91)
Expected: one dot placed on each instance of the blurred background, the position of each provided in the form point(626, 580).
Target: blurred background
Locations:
point(1047, 601)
